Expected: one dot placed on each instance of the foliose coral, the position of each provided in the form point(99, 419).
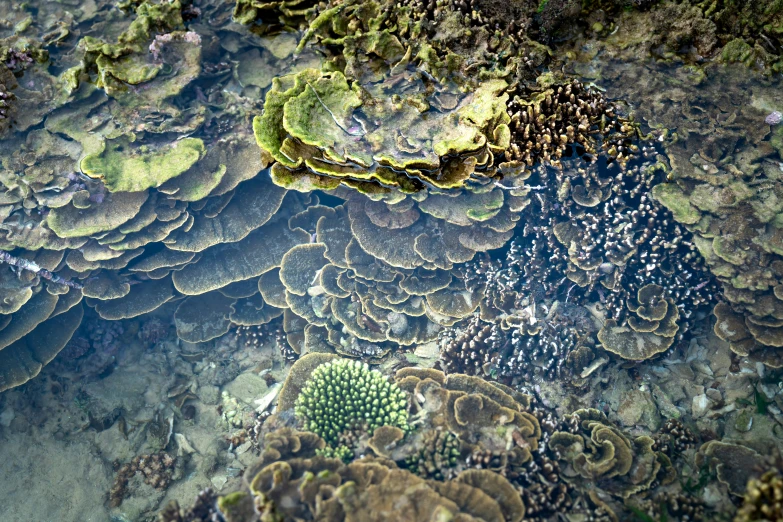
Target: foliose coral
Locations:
point(597, 451)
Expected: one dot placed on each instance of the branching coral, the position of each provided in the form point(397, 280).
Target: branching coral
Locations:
point(342, 393)
point(763, 499)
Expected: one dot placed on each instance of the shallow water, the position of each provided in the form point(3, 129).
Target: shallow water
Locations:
point(561, 265)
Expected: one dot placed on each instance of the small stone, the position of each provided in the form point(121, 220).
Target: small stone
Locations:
point(183, 446)
point(429, 350)
point(702, 367)
point(638, 408)
point(7, 417)
point(774, 118)
point(712, 495)
point(714, 395)
point(219, 481)
point(246, 388)
point(665, 405)
point(244, 447)
point(744, 421)
point(209, 394)
point(701, 403)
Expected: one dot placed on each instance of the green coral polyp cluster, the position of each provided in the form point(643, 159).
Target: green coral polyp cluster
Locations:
point(343, 394)
point(343, 453)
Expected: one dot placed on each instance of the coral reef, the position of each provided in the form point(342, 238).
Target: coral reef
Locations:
point(150, 219)
point(467, 432)
point(723, 189)
point(549, 201)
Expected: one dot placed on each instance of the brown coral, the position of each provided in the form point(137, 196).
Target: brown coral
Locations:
point(156, 470)
point(599, 452)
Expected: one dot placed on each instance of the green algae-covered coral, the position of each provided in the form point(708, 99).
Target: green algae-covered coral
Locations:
point(125, 168)
point(344, 393)
point(356, 132)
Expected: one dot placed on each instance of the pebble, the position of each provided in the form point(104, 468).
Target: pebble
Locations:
point(702, 367)
point(7, 417)
point(219, 481)
point(183, 446)
point(744, 421)
point(774, 118)
point(700, 405)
